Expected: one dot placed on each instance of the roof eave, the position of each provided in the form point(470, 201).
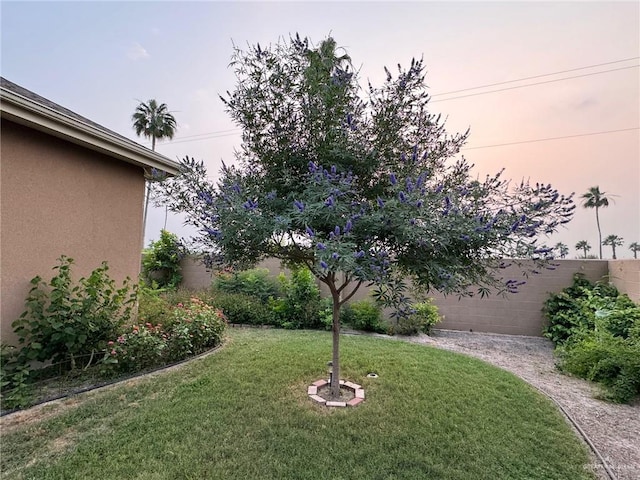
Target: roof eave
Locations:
point(21, 110)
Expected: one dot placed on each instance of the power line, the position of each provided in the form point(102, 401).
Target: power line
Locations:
point(536, 76)
point(552, 138)
point(536, 83)
point(235, 131)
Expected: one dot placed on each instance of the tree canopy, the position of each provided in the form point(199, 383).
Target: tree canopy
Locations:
point(361, 185)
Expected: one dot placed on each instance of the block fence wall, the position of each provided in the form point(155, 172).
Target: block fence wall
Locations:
point(516, 314)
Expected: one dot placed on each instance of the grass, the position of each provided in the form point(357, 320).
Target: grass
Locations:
point(243, 413)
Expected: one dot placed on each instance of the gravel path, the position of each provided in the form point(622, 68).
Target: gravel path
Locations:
point(613, 429)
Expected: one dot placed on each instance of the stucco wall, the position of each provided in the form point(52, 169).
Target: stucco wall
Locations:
point(516, 314)
point(625, 275)
point(58, 198)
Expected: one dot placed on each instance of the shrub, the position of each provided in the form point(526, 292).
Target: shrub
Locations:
point(161, 261)
point(597, 334)
point(255, 282)
point(14, 379)
point(64, 320)
point(299, 306)
point(140, 348)
point(424, 318)
point(153, 307)
point(612, 361)
point(364, 315)
point(244, 309)
point(194, 328)
point(573, 309)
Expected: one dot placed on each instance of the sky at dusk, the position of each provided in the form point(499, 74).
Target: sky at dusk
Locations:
point(546, 70)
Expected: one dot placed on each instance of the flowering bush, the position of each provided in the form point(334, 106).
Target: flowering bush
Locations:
point(194, 328)
point(142, 347)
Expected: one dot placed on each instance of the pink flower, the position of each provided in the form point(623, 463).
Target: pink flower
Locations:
point(113, 352)
point(109, 343)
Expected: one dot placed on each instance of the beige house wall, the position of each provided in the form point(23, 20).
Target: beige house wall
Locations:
point(59, 198)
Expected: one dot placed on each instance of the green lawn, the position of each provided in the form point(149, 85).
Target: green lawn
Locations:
point(243, 413)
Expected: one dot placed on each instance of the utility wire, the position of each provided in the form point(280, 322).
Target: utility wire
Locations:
point(235, 131)
point(536, 83)
point(552, 138)
point(536, 76)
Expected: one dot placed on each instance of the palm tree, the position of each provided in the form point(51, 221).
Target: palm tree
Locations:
point(562, 249)
point(584, 246)
point(155, 122)
point(594, 198)
point(635, 248)
point(614, 241)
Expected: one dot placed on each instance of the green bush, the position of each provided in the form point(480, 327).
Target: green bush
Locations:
point(65, 320)
point(364, 315)
point(15, 391)
point(566, 313)
point(610, 360)
point(161, 261)
point(424, 318)
point(300, 304)
point(243, 309)
point(597, 334)
point(255, 282)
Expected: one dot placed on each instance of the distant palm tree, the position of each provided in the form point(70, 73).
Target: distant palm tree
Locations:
point(584, 246)
point(635, 248)
point(562, 249)
point(594, 198)
point(155, 122)
point(614, 241)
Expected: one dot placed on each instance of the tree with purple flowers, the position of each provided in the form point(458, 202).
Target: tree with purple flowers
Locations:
point(363, 188)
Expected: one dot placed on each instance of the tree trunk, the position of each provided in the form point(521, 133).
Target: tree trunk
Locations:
point(335, 368)
point(599, 232)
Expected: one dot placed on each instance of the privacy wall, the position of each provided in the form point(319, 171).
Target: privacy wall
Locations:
point(515, 314)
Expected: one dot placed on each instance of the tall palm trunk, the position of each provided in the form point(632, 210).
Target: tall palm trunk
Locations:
point(599, 233)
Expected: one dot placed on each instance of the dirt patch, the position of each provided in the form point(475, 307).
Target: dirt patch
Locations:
point(613, 429)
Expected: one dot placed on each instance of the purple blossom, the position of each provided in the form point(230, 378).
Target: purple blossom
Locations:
point(348, 227)
point(328, 202)
point(321, 246)
point(336, 231)
point(333, 170)
point(205, 197)
point(392, 179)
point(213, 232)
point(414, 155)
point(402, 197)
point(359, 254)
point(271, 195)
point(380, 202)
point(310, 232)
point(419, 203)
point(438, 189)
point(409, 183)
point(299, 205)
point(324, 265)
point(313, 168)
point(250, 205)
point(335, 256)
